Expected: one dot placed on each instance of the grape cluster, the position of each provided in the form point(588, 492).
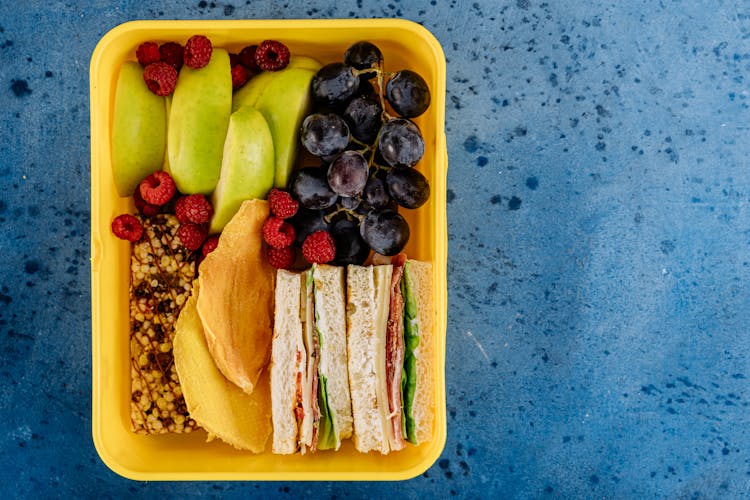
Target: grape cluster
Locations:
point(361, 131)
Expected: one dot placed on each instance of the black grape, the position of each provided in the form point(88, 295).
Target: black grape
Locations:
point(347, 174)
point(310, 187)
point(349, 203)
point(324, 134)
point(401, 143)
point(364, 55)
point(408, 187)
point(350, 247)
point(363, 115)
point(334, 84)
point(306, 222)
point(385, 232)
point(408, 94)
point(376, 194)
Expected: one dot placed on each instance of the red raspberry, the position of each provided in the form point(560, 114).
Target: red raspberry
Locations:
point(277, 233)
point(272, 55)
point(171, 53)
point(209, 245)
point(319, 247)
point(193, 208)
point(147, 53)
point(197, 51)
point(192, 236)
point(234, 60)
point(146, 209)
point(127, 227)
point(247, 57)
point(158, 188)
point(282, 204)
point(240, 75)
point(160, 77)
point(280, 258)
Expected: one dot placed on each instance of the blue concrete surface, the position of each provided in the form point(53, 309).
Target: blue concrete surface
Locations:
point(598, 269)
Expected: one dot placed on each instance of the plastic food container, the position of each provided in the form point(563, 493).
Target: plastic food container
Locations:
point(188, 456)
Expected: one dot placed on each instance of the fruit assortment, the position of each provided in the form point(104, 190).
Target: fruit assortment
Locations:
point(205, 148)
point(198, 131)
point(157, 194)
point(367, 152)
point(228, 137)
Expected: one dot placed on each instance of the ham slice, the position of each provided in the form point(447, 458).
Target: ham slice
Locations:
point(299, 410)
point(394, 361)
point(315, 361)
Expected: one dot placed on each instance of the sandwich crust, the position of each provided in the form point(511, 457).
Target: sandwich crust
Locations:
point(288, 362)
point(423, 410)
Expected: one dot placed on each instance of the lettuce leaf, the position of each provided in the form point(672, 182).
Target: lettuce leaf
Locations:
point(326, 431)
point(411, 342)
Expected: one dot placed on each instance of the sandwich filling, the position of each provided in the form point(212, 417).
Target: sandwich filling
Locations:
point(299, 409)
point(395, 358)
point(382, 292)
point(317, 432)
point(411, 342)
point(310, 421)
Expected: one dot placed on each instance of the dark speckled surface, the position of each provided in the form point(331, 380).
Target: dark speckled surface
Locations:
point(598, 267)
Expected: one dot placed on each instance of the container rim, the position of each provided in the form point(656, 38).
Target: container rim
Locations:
point(99, 54)
point(167, 25)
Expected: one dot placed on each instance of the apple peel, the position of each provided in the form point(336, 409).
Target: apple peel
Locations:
point(283, 97)
point(139, 130)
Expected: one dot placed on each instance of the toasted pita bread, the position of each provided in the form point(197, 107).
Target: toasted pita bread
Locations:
point(235, 303)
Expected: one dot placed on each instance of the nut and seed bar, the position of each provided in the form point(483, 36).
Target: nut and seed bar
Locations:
point(162, 272)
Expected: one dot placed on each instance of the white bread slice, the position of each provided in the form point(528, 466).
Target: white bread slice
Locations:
point(287, 348)
point(330, 321)
point(420, 283)
point(364, 344)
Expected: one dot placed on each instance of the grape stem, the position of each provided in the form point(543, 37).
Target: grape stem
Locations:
point(371, 161)
point(366, 146)
point(350, 213)
point(377, 167)
point(385, 116)
point(376, 69)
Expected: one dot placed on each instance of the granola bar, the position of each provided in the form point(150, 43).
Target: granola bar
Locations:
point(162, 272)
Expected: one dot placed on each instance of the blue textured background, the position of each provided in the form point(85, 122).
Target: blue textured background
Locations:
point(598, 268)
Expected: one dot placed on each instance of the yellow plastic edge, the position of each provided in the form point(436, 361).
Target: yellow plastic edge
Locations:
point(439, 260)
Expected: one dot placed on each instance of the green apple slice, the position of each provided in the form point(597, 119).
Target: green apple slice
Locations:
point(284, 99)
point(304, 62)
point(249, 93)
point(168, 103)
point(139, 126)
point(285, 103)
point(247, 167)
point(198, 121)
